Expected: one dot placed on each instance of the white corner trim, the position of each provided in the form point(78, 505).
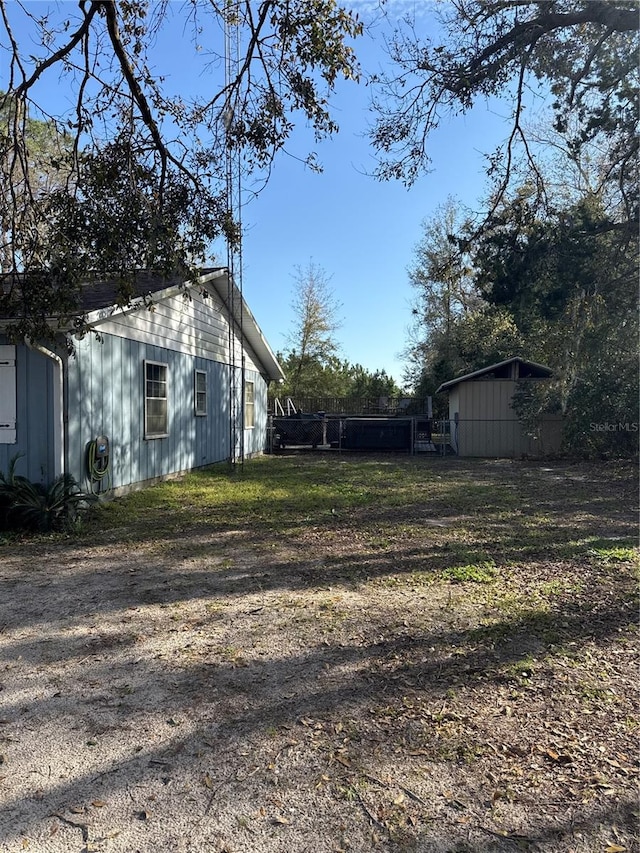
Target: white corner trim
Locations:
point(58, 405)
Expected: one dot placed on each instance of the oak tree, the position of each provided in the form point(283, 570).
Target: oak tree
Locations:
point(584, 53)
point(146, 169)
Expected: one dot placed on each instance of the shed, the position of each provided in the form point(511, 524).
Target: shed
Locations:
point(175, 380)
point(482, 420)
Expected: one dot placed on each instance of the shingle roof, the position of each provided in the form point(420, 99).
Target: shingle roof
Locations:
point(104, 293)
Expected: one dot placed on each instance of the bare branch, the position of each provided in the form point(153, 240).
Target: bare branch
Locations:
point(138, 95)
point(585, 52)
point(64, 51)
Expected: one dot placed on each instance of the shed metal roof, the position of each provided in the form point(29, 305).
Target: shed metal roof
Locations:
point(532, 368)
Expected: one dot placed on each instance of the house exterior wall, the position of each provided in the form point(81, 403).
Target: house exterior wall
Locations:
point(34, 389)
point(196, 325)
point(106, 396)
point(255, 439)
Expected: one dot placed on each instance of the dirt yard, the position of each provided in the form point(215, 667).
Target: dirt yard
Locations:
point(431, 656)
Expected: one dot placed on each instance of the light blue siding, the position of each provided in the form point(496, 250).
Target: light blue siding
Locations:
point(34, 417)
point(104, 394)
point(106, 397)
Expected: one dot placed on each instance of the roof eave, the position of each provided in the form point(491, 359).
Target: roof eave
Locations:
point(217, 281)
point(100, 315)
point(251, 329)
point(445, 386)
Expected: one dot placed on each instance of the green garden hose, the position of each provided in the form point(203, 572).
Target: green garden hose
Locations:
point(99, 470)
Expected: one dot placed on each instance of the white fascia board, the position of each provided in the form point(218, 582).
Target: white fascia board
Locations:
point(252, 332)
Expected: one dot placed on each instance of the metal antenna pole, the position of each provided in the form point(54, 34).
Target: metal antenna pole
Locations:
point(234, 249)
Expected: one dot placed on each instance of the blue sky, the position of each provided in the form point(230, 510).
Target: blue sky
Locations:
point(361, 232)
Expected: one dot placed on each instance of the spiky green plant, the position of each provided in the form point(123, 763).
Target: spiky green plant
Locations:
point(31, 506)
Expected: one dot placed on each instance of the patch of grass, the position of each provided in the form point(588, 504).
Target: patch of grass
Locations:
point(596, 693)
point(349, 793)
point(269, 490)
point(484, 572)
point(216, 606)
point(490, 632)
point(423, 577)
point(263, 493)
point(385, 501)
point(390, 581)
point(616, 554)
point(521, 670)
point(230, 654)
point(329, 614)
point(559, 587)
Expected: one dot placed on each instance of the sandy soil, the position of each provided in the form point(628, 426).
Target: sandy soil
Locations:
point(226, 692)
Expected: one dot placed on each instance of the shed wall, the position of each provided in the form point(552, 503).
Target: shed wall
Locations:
point(487, 399)
point(454, 403)
point(488, 426)
point(502, 438)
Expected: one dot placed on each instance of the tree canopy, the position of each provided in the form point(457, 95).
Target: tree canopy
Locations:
point(561, 291)
point(140, 162)
point(583, 52)
point(313, 348)
point(549, 267)
point(312, 362)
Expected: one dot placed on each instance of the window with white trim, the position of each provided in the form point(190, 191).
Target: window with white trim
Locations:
point(249, 405)
point(156, 399)
point(200, 392)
